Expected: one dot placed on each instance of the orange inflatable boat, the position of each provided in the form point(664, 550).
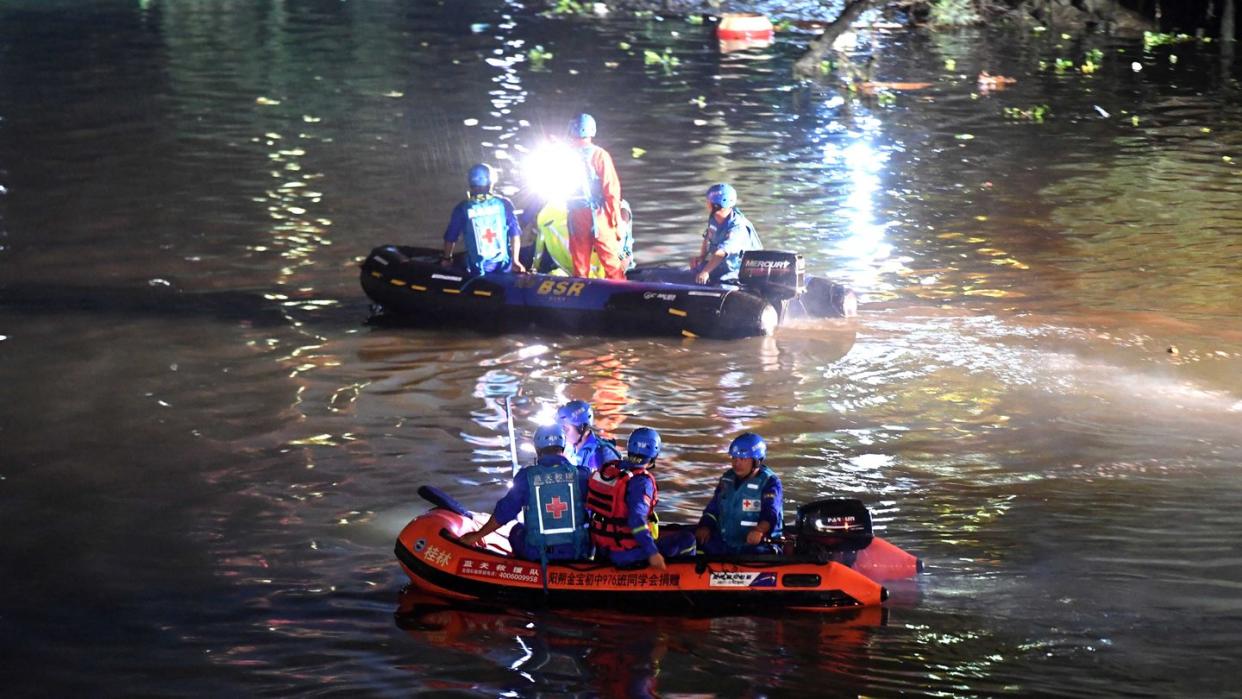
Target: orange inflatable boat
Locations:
point(437, 563)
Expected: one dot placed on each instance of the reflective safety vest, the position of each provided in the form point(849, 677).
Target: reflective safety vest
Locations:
point(591, 190)
point(554, 506)
point(487, 241)
point(740, 507)
point(552, 237)
point(609, 512)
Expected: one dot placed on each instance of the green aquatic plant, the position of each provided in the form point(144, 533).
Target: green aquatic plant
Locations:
point(568, 7)
point(1091, 62)
point(1153, 39)
point(954, 13)
point(538, 56)
point(667, 60)
point(1064, 64)
point(1036, 113)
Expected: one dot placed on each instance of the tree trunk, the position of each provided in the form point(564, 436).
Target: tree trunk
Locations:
point(1227, 28)
point(808, 64)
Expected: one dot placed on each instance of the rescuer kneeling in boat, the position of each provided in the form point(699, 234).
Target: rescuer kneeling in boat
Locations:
point(744, 515)
point(489, 225)
point(621, 502)
point(585, 447)
point(552, 495)
point(729, 234)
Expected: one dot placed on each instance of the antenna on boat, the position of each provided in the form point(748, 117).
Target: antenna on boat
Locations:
point(512, 440)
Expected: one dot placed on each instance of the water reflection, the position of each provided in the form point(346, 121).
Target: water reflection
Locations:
point(614, 654)
point(1041, 396)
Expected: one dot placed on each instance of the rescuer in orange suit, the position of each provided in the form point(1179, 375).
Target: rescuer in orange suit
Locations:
point(595, 209)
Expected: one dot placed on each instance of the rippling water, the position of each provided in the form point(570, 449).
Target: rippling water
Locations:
point(206, 455)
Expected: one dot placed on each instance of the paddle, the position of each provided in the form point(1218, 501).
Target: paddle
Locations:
point(512, 440)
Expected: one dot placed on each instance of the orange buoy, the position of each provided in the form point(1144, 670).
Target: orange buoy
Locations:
point(744, 25)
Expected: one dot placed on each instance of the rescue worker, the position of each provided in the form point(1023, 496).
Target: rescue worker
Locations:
point(489, 225)
point(621, 502)
point(595, 210)
point(551, 232)
point(745, 513)
point(551, 493)
point(584, 446)
point(729, 234)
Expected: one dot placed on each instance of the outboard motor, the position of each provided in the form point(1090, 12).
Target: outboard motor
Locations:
point(777, 276)
point(835, 529)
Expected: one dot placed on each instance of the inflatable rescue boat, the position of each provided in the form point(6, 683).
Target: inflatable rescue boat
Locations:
point(408, 284)
point(834, 562)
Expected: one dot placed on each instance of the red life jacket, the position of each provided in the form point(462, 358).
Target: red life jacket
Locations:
point(607, 509)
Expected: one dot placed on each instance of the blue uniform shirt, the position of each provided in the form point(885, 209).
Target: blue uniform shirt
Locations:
point(593, 453)
point(459, 224)
point(639, 493)
point(734, 236)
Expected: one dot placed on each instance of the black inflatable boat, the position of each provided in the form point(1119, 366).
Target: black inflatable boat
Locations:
point(408, 285)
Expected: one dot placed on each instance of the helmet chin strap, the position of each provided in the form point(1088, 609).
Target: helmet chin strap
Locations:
point(583, 431)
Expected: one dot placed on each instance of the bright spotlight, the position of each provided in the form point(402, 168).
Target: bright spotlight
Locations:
point(553, 171)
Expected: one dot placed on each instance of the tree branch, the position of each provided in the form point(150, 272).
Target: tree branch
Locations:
point(808, 64)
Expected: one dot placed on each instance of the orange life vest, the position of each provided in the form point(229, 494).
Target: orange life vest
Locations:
point(608, 511)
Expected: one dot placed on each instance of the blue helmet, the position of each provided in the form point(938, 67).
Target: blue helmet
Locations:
point(582, 126)
point(549, 436)
point(481, 176)
point(644, 444)
point(575, 412)
point(748, 445)
point(722, 196)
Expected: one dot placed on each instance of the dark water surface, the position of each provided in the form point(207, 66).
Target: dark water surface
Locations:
point(205, 455)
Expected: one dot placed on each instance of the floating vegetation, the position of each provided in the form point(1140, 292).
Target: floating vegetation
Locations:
point(667, 60)
point(1153, 39)
point(637, 152)
point(568, 7)
point(1092, 62)
point(954, 13)
point(1036, 114)
point(538, 56)
point(695, 19)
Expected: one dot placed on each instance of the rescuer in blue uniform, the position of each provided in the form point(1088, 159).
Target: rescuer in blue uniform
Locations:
point(729, 234)
point(584, 446)
point(489, 225)
point(745, 513)
point(552, 495)
point(621, 502)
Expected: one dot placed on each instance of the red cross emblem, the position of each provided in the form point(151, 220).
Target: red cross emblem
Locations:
point(489, 235)
point(556, 508)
